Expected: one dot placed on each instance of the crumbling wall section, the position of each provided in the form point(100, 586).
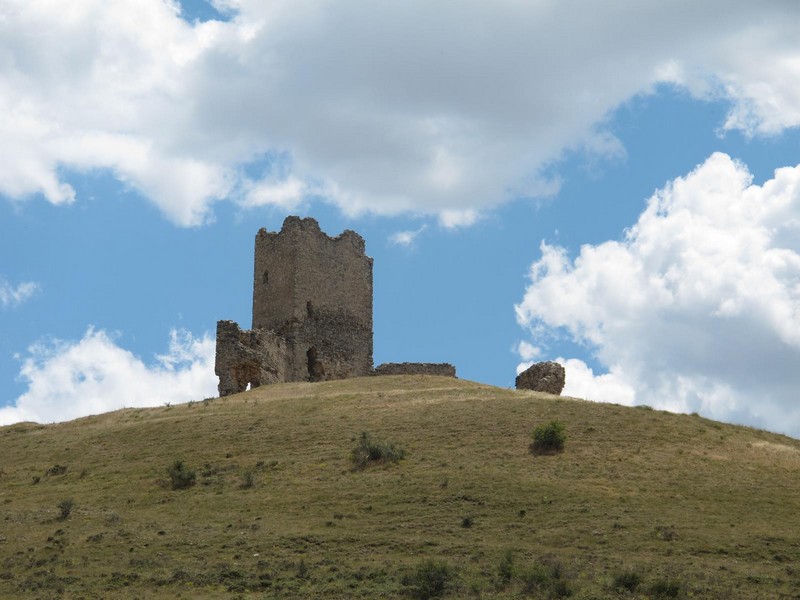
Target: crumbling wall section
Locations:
point(441, 369)
point(248, 357)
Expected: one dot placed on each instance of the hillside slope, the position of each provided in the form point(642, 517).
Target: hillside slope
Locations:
point(641, 503)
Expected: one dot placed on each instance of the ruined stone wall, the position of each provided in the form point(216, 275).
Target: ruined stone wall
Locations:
point(316, 292)
point(441, 369)
point(248, 357)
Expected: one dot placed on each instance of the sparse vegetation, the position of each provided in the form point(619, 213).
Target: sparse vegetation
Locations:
point(180, 476)
point(664, 588)
point(534, 578)
point(302, 569)
point(548, 438)
point(248, 479)
point(431, 579)
point(627, 581)
point(65, 508)
point(505, 570)
point(311, 527)
point(369, 451)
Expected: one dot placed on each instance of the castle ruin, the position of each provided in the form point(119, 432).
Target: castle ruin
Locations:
point(312, 314)
point(312, 311)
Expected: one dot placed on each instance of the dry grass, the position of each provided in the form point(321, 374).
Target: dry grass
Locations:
point(670, 498)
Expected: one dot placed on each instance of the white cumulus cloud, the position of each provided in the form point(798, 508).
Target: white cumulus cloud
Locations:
point(67, 380)
point(13, 295)
point(443, 108)
point(697, 308)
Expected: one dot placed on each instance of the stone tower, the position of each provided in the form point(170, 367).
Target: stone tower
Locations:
point(316, 292)
point(312, 311)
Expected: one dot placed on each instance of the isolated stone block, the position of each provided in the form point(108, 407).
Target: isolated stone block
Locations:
point(546, 377)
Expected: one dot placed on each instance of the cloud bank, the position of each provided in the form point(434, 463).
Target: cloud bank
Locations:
point(443, 108)
point(697, 308)
point(95, 375)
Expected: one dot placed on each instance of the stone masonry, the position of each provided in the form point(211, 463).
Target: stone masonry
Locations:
point(312, 311)
point(254, 357)
point(406, 368)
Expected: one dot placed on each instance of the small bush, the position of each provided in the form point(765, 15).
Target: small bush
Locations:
point(548, 438)
point(664, 588)
point(65, 508)
point(560, 589)
point(302, 569)
point(248, 480)
point(180, 476)
point(665, 532)
point(431, 579)
point(506, 570)
point(368, 452)
point(627, 580)
point(535, 578)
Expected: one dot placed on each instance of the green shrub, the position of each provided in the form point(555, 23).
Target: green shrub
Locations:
point(302, 569)
point(65, 508)
point(560, 589)
point(368, 452)
point(431, 579)
point(627, 580)
point(535, 578)
point(506, 570)
point(56, 470)
point(248, 480)
point(663, 588)
point(548, 438)
point(180, 476)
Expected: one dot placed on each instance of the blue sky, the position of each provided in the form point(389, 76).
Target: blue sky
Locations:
point(533, 181)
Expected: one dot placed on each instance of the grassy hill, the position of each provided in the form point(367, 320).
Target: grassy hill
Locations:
point(640, 504)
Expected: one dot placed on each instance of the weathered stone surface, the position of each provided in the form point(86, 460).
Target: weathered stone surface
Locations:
point(248, 357)
point(442, 369)
point(312, 311)
point(316, 292)
point(546, 377)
